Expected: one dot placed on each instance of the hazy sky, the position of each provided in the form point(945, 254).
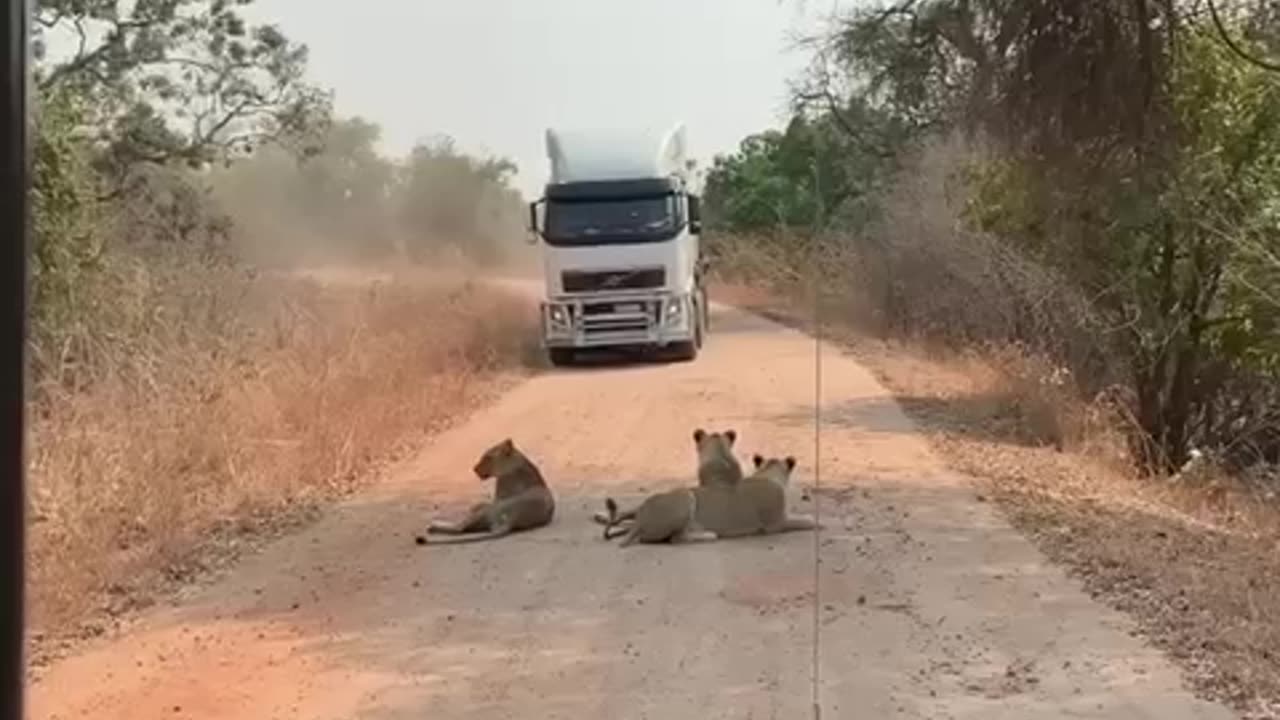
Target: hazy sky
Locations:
point(495, 73)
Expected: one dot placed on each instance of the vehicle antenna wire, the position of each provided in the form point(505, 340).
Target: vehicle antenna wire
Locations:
point(815, 284)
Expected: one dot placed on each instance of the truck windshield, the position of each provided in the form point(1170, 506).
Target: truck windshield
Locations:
point(593, 222)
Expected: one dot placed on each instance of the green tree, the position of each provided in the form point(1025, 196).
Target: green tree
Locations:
point(1135, 153)
point(64, 212)
point(1129, 148)
point(822, 161)
point(175, 80)
point(134, 100)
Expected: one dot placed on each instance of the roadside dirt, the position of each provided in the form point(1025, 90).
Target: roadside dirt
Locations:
point(928, 604)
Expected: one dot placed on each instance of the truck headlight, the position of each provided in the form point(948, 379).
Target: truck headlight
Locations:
point(558, 315)
point(674, 311)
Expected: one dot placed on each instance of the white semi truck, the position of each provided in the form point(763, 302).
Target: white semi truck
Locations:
point(620, 226)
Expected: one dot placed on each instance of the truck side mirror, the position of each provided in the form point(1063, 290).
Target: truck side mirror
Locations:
point(533, 222)
point(695, 214)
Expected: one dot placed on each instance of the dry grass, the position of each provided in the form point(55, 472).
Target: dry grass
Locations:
point(213, 402)
point(1196, 561)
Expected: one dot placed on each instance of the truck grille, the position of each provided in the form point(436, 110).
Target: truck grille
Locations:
point(603, 280)
point(605, 317)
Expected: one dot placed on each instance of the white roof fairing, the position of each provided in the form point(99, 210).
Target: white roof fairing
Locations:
point(594, 155)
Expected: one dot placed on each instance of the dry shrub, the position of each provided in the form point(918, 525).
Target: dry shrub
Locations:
point(203, 399)
point(1010, 390)
point(1024, 397)
point(934, 278)
point(774, 263)
point(916, 272)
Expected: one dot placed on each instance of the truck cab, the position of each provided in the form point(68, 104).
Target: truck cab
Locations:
point(619, 224)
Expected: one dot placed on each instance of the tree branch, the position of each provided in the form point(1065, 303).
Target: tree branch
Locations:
point(1235, 47)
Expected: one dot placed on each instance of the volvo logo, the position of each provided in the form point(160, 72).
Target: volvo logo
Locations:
point(613, 280)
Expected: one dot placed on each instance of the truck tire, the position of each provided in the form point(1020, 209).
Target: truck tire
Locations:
point(699, 327)
point(704, 307)
point(687, 351)
point(684, 351)
point(560, 357)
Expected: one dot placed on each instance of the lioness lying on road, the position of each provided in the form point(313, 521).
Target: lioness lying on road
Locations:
point(717, 467)
point(756, 506)
point(716, 508)
point(661, 517)
point(521, 500)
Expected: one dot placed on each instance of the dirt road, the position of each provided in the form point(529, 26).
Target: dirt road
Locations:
point(930, 606)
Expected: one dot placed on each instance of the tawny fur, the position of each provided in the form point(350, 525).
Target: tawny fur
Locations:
point(756, 506)
point(717, 466)
point(522, 500)
point(661, 517)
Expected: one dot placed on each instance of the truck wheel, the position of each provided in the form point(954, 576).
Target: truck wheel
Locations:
point(699, 328)
point(560, 357)
point(704, 308)
point(685, 351)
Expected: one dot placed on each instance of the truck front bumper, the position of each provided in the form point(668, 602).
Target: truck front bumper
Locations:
point(618, 320)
